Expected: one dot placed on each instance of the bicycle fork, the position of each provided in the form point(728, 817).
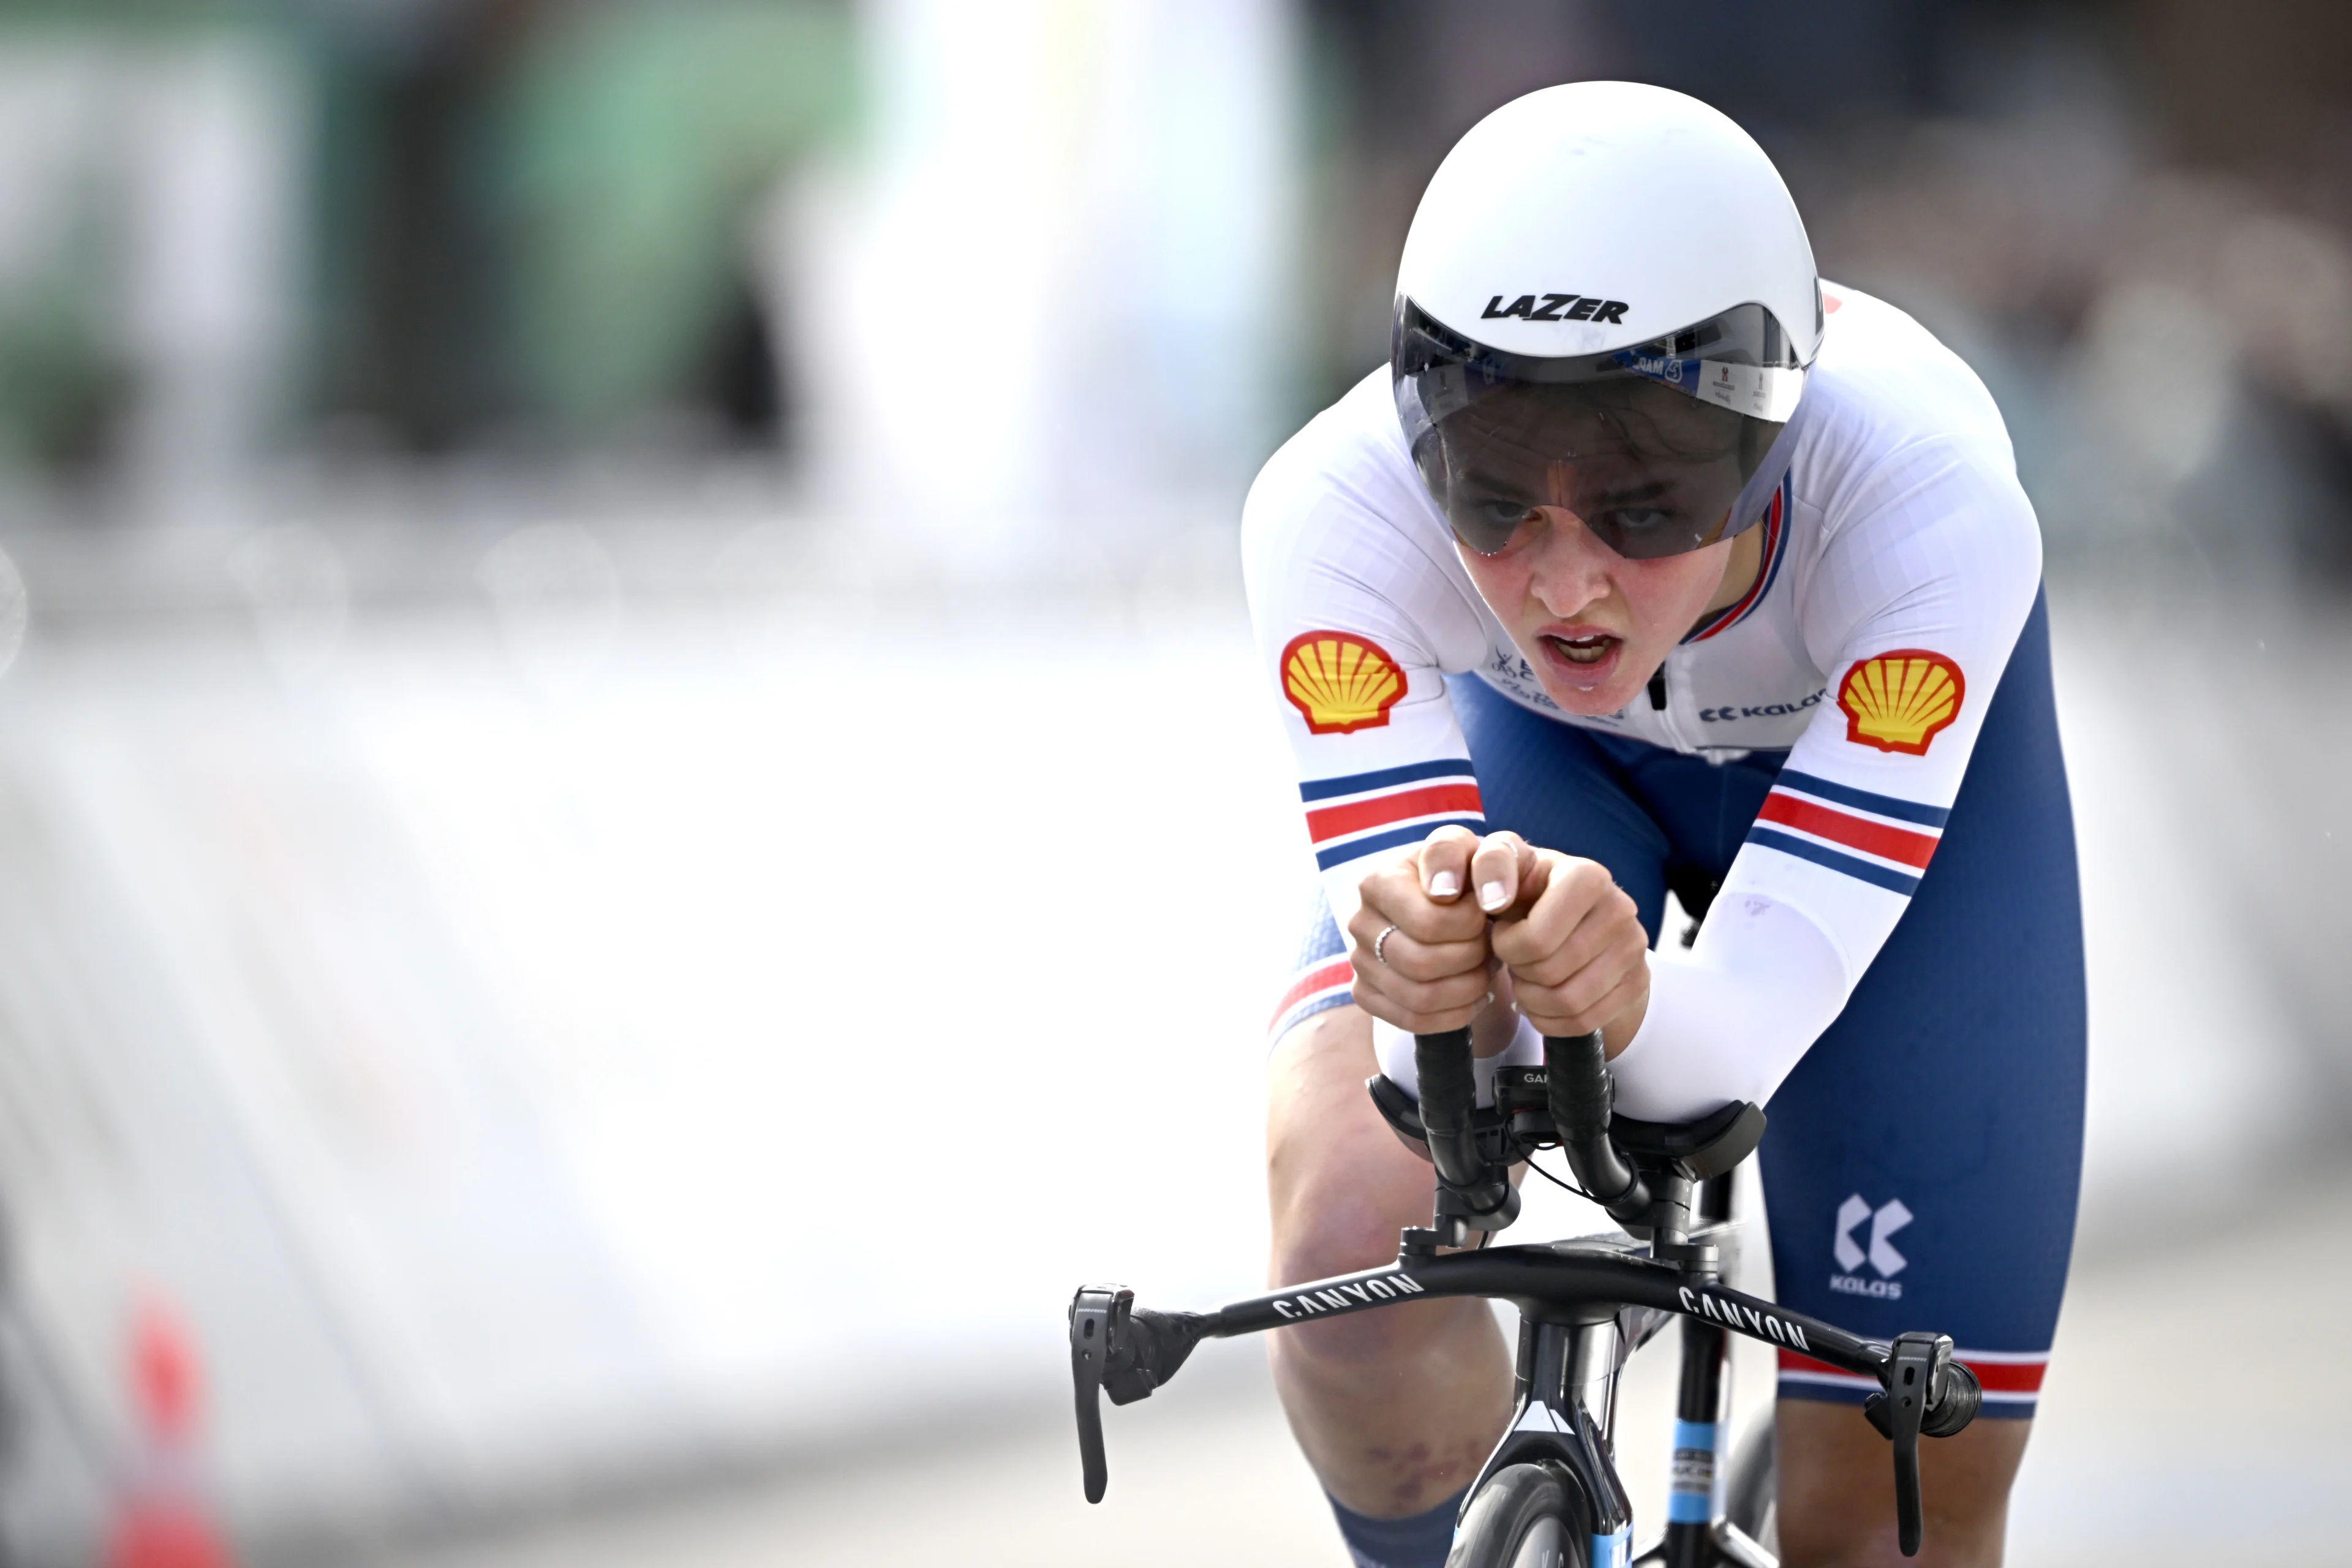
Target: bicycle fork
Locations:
point(1567, 1391)
point(1567, 1397)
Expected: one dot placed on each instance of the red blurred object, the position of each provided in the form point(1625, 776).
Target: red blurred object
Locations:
point(165, 1532)
point(163, 1374)
point(160, 1518)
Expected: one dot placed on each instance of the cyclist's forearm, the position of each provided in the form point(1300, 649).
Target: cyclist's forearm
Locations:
point(1732, 1019)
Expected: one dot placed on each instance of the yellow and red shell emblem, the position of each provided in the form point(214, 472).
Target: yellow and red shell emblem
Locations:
point(1340, 683)
point(1901, 700)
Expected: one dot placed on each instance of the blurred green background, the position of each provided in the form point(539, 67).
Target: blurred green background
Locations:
point(234, 234)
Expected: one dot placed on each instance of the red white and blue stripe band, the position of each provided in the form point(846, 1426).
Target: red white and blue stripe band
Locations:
point(1317, 988)
point(2011, 1379)
point(1362, 814)
point(1881, 839)
point(1776, 539)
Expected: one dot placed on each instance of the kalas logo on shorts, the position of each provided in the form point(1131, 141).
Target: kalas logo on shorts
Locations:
point(1901, 700)
point(1339, 683)
point(1557, 307)
point(1884, 1221)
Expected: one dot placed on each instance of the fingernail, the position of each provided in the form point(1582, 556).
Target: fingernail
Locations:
point(1491, 896)
point(1444, 884)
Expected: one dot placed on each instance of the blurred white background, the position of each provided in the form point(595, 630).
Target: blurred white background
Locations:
point(635, 818)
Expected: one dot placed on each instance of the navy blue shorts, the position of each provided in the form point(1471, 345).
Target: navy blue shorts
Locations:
point(1922, 1164)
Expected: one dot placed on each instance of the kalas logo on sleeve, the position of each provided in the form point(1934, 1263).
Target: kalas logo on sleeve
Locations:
point(1340, 683)
point(1901, 700)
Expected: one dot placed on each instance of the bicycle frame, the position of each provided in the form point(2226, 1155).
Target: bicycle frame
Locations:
point(1568, 1296)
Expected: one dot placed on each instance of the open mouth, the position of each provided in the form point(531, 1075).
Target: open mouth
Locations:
point(1588, 649)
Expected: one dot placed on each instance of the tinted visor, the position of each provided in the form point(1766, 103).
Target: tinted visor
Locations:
point(1650, 447)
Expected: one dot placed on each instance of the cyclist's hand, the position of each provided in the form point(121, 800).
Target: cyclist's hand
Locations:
point(1430, 971)
point(1577, 956)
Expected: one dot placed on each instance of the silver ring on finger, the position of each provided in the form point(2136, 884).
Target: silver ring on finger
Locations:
point(1380, 942)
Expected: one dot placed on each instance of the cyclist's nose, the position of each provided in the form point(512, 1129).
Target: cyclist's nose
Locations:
point(1570, 570)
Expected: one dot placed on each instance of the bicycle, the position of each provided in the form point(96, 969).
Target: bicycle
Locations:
point(1550, 1495)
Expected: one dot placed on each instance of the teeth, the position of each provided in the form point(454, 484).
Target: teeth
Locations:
point(1585, 650)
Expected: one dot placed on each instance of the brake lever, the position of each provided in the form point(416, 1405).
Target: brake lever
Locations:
point(1098, 1317)
point(1913, 1372)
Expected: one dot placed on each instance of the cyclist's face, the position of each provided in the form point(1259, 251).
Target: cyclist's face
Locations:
point(1592, 624)
point(1649, 471)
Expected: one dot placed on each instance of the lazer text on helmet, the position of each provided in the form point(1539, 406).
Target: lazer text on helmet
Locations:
point(1557, 307)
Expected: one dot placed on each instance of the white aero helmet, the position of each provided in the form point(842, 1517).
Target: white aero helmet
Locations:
point(1607, 304)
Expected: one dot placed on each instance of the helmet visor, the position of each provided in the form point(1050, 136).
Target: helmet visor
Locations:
point(1651, 448)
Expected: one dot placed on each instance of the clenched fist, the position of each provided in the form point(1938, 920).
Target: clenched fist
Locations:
point(1436, 926)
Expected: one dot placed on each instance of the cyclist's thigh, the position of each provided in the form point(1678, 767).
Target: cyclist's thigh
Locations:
point(1921, 1167)
point(1341, 1184)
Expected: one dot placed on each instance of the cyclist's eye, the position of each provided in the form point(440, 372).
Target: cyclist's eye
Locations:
point(1489, 525)
point(1631, 519)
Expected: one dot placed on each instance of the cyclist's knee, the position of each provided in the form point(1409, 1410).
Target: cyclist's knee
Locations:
point(1341, 1184)
point(1334, 1230)
point(1339, 1211)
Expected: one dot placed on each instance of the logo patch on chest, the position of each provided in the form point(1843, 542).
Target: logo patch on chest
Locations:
point(1901, 700)
point(1340, 683)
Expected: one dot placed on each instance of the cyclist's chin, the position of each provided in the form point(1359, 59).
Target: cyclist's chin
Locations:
point(1594, 703)
point(1597, 694)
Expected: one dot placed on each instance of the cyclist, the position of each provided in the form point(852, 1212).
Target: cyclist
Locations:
point(1653, 562)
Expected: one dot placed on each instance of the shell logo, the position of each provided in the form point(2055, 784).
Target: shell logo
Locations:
point(1340, 683)
point(1901, 700)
